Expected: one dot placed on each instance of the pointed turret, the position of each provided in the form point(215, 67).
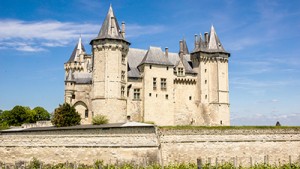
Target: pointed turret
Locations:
point(109, 49)
point(78, 50)
point(110, 28)
point(214, 42)
point(185, 48)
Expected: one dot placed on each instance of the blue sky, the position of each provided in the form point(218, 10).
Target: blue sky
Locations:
point(38, 36)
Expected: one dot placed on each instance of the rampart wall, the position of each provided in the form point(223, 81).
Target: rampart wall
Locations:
point(239, 146)
point(151, 145)
point(113, 145)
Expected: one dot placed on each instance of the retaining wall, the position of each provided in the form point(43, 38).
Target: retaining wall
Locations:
point(142, 145)
point(240, 146)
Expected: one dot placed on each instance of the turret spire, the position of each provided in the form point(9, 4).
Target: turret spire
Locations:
point(110, 28)
point(79, 49)
point(214, 42)
point(185, 48)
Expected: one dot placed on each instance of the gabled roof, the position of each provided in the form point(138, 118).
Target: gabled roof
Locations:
point(83, 78)
point(79, 49)
point(187, 67)
point(155, 55)
point(110, 28)
point(134, 73)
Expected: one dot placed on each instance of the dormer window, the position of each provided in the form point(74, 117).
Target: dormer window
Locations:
point(180, 71)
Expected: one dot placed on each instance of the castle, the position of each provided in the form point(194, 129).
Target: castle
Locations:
point(128, 84)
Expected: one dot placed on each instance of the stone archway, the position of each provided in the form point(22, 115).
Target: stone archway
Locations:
point(83, 110)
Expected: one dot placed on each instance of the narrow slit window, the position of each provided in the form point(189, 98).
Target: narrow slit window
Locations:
point(154, 83)
point(122, 91)
point(163, 83)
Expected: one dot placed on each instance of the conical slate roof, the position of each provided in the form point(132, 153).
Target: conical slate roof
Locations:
point(212, 45)
point(79, 48)
point(110, 28)
point(214, 42)
point(185, 48)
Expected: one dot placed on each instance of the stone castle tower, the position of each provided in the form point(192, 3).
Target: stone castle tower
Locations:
point(165, 88)
point(109, 88)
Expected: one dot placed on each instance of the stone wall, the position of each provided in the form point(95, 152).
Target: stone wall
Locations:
point(241, 146)
point(129, 144)
point(147, 145)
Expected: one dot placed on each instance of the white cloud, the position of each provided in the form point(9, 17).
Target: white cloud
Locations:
point(40, 35)
point(27, 48)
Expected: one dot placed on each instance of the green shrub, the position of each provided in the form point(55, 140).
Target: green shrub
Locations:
point(65, 115)
point(99, 119)
point(34, 164)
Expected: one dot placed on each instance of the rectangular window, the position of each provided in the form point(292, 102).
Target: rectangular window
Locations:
point(154, 83)
point(122, 91)
point(123, 59)
point(167, 96)
point(86, 113)
point(180, 71)
point(163, 83)
point(123, 75)
point(136, 94)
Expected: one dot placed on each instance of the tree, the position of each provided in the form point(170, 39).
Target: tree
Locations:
point(41, 114)
point(65, 115)
point(17, 116)
point(5, 115)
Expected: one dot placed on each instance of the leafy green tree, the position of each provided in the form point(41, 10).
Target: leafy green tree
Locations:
point(20, 114)
point(30, 115)
point(41, 114)
point(65, 115)
point(3, 120)
point(17, 116)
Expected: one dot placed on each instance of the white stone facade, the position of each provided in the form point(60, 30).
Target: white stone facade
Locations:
point(165, 88)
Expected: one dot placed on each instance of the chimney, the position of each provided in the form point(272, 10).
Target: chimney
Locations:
point(123, 29)
point(196, 41)
point(167, 51)
point(206, 37)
